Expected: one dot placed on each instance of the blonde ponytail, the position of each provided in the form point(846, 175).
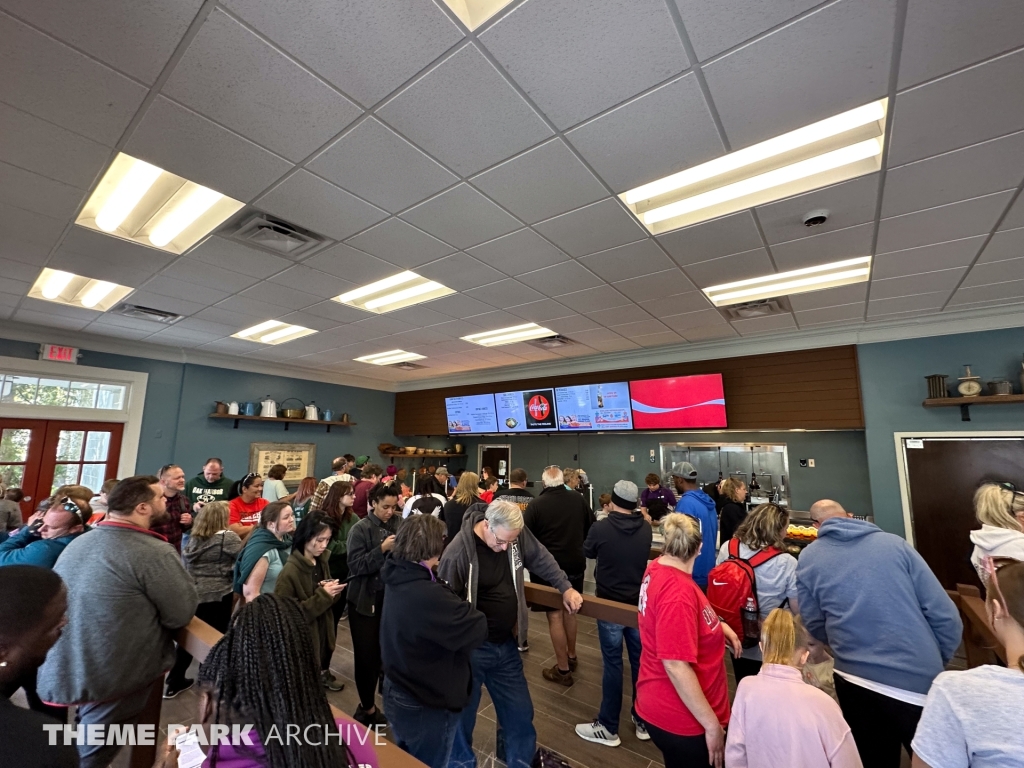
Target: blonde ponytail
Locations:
point(782, 635)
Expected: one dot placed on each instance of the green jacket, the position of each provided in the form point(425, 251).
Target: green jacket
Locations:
point(199, 489)
point(338, 547)
point(296, 580)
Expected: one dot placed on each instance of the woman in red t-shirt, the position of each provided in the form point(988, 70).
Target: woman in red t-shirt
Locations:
point(244, 510)
point(681, 692)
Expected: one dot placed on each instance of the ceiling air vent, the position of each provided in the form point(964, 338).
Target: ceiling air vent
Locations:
point(754, 309)
point(407, 366)
point(146, 313)
point(276, 236)
point(551, 342)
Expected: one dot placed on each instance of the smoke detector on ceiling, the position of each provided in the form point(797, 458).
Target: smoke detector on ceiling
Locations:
point(137, 312)
point(551, 342)
point(755, 309)
point(275, 236)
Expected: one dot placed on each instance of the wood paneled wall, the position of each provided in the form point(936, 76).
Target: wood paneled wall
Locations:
point(807, 389)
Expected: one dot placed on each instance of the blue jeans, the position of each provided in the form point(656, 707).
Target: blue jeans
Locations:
point(500, 668)
point(611, 637)
point(424, 732)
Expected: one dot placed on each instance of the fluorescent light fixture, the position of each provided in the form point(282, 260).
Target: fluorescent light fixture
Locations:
point(273, 332)
point(389, 358)
point(836, 149)
point(395, 292)
point(510, 335)
point(76, 291)
point(140, 202)
point(473, 13)
point(804, 280)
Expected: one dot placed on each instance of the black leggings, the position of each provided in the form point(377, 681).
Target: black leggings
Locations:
point(218, 615)
point(680, 751)
point(880, 725)
point(366, 654)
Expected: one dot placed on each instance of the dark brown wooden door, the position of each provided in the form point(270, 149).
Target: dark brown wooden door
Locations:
point(21, 454)
point(943, 476)
point(499, 459)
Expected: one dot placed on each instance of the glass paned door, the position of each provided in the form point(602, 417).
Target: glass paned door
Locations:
point(21, 451)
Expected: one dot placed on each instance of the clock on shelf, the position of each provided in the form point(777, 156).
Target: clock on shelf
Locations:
point(970, 385)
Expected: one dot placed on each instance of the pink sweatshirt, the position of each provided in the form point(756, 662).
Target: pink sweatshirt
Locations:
point(777, 719)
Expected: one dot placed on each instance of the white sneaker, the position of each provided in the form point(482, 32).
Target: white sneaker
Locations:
point(598, 734)
point(641, 730)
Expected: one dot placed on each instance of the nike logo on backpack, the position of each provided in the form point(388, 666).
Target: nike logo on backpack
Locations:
point(719, 583)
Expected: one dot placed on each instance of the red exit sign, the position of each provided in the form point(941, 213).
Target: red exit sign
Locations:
point(58, 354)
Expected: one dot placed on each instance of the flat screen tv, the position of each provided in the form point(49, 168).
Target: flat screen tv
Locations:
point(471, 414)
point(593, 407)
point(531, 410)
point(679, 402)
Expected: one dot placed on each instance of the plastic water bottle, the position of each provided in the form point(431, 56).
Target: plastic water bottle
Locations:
point(751, 624)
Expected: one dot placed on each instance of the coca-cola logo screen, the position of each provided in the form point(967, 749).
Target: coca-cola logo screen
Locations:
point(679, 402)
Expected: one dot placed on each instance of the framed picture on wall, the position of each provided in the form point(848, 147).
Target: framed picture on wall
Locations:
point(299, 458)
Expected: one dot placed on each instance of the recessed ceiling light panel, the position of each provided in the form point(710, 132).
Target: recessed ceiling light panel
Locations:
point(77, 291)
point(509, 335)
point(273, 332)
point(139, 202)
point(395, 292)
point(389, 358)
point(473, 13)
point(836, 149)
point(832, 275)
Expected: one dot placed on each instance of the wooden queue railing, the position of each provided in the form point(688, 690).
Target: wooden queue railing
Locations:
point(980, 642)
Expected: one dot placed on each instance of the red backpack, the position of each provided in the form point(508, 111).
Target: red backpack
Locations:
point(732, 582)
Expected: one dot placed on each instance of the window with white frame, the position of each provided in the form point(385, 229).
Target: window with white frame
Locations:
point(62, 392)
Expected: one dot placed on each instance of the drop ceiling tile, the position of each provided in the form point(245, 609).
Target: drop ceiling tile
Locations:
point(60, 85)
point(912, 285)
point(574, 65)
point(239, 320)
point(24, 189)
point(757, 326)
point(505, 293)
point(658, 339)
point(595, 337)
point(627, 261)
point(354, 266)
point(946, 222)
point(710, 333)
point(830, 297)
point(1015, 216)
point(659, 285)
point(926, 258)
point(715, 27)
point(692, 301)
point(315, 204)
point(310, 319)
point(102, 257)
point(566, 277)
point(540, 311)
point(915, 303)
point(825, 248)
point(256, 90)
point(377, 164)
point(366, 49)
point(703, 318)
point(208, 326)
point(188, 339)
point(49, 150)
point(541, 183)
point(841, 314)
point(115, 331)
point(460, 306)
point(178, 289)
point(198, 273)
point(496, 318)
point(597, 227)
point(832, 60)
point(725, 236)
point(336, 312)
point(27, 237)
point(419, 340)
point(465, 114)
point(313, 281)
point(230, 346)
point(401, 244)
point(943, 35)
point(616, 345)
point(166, 303)
point(270, 292)
point(460, 271)
point(462, 217)
point(959, 175)
point(17, 272)
point(49, 320)
point(518, 253)
point(59, 310)
point(982, 110)
point(728, 269)
point(592, 299)
point(380, 325)
point(458, 346)
point(568, 326)
point(630, 313)
point(659, 133)
point(420, 316)
point(995, 272)
point(848, 204)
point(183, 142)
point(1007, 244)
point(11, 291)
point(988, 293)
point(639, 328)
point(235, 257)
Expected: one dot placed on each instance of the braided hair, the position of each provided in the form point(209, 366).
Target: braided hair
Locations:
point(263, 671)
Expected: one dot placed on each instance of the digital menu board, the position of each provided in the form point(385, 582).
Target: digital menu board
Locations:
point(531, 410)
point(471, 414)
point(680, 402)
point(593, 407)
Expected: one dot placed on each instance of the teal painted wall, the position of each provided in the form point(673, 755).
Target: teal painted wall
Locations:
point(893, 386)
point(179, 397)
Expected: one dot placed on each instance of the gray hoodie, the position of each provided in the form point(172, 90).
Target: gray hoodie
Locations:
point(459, 566)
point(210, 561)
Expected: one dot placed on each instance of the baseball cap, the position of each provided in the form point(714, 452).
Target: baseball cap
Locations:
point(626, 491)
point(441, 471)
point(360, 460)
point(685, 470)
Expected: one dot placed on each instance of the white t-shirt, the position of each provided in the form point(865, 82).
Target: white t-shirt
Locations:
point(407, 509)
point(972, 719)
point(274, 490)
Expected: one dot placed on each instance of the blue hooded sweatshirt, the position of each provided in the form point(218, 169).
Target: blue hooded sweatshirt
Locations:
point(701, 506)
point(871, 596)
point(26, 548)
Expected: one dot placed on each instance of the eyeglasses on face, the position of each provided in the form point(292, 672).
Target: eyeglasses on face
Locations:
point(500, 542)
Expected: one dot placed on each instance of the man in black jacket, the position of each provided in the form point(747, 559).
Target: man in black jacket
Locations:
point(516, 491)
point(560, 519)
point(622, 545)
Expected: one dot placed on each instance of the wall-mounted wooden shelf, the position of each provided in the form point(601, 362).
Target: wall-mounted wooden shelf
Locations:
point(239, 417)
point(966, 402)
point(404, 455)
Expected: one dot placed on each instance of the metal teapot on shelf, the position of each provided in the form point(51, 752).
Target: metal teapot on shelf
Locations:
point(233, 408)
point(328, 415)
point(268, 408)
point(311, 411)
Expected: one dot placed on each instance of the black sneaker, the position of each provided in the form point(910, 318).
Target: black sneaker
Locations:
point(524, 648)
point(173, 690)
point(330, 682)
point(362, 717)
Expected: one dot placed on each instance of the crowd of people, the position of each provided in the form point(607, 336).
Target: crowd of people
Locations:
point(839, 655)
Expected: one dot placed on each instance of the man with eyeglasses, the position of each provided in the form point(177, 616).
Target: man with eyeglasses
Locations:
point(40, 544)
point(484, 563)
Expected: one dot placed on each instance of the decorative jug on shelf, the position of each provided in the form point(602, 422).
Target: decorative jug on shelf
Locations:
point(249, 408)
point(268, 408)
point(233, 408)
point(311, 411)
point(328, 415)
